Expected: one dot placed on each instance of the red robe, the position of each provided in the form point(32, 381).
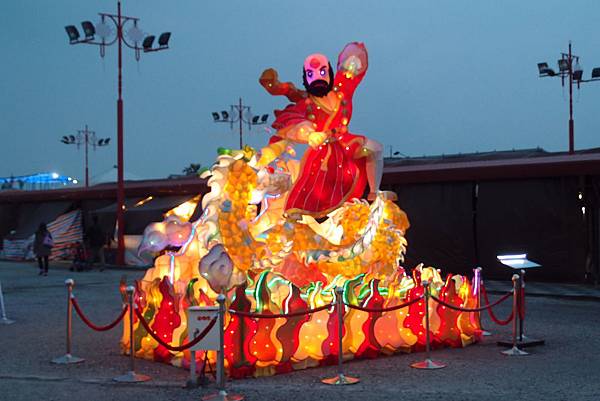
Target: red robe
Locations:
point(334, 172)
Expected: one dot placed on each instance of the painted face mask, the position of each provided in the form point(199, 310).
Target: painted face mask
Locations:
point(318, 76)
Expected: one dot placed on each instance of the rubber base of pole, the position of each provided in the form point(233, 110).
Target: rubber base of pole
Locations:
point(132, 377)
point(428, 364)
point(341, 380)
point(67, 359)
point(514, 351)
point(223, 396)
point(6, 321)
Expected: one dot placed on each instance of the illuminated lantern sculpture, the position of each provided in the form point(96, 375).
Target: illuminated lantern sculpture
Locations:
point(277, 236)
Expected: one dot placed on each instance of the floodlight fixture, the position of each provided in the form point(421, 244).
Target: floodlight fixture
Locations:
point(577, 75)
point(88, 29)
point(72, 138)
point(225, 115)
point(264, 118)
point(255, 119)
point(596, 73)
point(163, 39)
point(147, 43)
point(216, 116)
point(73, 33)
point(563, 65)
point(106, 141)
point(545, 70)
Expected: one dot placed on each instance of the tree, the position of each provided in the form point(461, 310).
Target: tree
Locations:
point(192, 169)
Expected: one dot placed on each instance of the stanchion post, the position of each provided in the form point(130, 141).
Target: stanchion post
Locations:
point(131, 376)
point(427, 363)
point(222, 394)
point(3, 319)
point(68, 358)
point(515, 351)
point(479, 283)
point(341, 379)
point(521, 304)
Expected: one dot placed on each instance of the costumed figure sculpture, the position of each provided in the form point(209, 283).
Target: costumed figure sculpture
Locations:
point(278, 235)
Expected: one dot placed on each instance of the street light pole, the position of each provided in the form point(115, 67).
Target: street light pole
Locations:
point(136, 35)
point(575, 75)
point(240, 108)
point(120, 184)
point(87, 138)
point(228, 117)
point(571, 122)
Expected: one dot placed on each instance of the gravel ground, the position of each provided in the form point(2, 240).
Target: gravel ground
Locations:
point(566, 368)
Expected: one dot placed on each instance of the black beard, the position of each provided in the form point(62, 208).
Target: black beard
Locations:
point(319, 87)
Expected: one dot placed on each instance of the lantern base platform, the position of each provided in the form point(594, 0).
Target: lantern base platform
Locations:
point(223, 396)
point(67, 359)
point(341, 380)
point(131, 377)
point(514, 351)
point(428, 364)
point(6, 321)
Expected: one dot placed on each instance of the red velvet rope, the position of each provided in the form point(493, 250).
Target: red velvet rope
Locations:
point(92, 325)
point(168, 346)
point(391, 308)
point(278, 315)
point(488, 306)
point(491, 312)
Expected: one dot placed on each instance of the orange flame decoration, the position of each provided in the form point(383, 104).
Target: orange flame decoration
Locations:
point(261, 346)
point(278, 265)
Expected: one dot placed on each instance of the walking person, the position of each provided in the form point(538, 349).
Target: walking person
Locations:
point(96, 239)
point(42, 247)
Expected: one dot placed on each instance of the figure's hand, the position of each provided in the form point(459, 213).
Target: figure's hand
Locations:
point(353, 59)
point(316, 138)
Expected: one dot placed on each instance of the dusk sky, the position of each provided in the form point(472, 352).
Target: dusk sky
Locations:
point(444, 77)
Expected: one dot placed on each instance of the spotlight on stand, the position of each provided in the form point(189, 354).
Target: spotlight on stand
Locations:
point(147, 43)
point(73, 33)
point(88, 29)
point(577, 72)
point(163, 40)
point(563, 65)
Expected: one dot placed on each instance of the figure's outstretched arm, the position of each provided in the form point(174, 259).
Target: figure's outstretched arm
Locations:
point(269, 79)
